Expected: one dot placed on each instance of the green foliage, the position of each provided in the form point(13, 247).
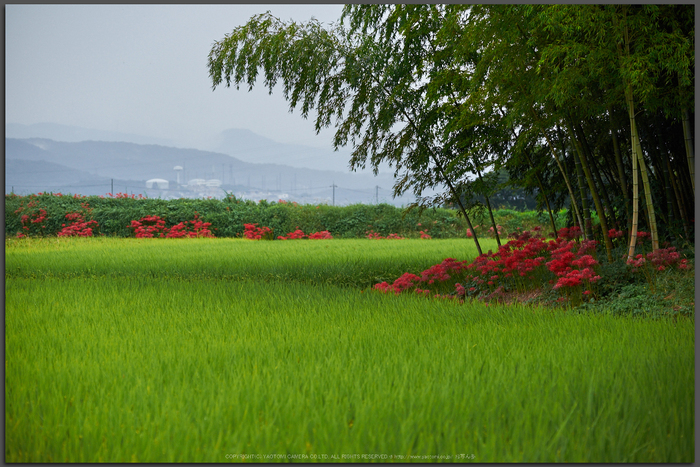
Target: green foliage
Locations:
point(228, 216)
point(451, 95)
point(233, 347)
point(621, 292)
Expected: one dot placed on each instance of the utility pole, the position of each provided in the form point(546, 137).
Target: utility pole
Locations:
point(112, 191)
point(334, 186)
point(377, 194)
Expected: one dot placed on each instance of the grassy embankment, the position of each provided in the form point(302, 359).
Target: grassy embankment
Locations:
point(199, 350)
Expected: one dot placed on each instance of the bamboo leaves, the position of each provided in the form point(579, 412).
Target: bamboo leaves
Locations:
point(440, 92)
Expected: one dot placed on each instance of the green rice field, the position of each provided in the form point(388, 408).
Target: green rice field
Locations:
point(230, 350)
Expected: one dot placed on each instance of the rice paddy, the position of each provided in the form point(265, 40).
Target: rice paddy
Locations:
point(233, 350)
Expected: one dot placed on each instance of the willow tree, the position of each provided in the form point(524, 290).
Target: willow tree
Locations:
point(373, 92)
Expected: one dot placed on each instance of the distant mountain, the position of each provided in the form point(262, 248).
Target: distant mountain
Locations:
point(32, 173)
point(38, 161)
point(242, 144)
point(250, 147)
point(72, 134)
point(28, 176)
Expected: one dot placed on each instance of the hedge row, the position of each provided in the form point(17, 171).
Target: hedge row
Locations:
point(228, 216)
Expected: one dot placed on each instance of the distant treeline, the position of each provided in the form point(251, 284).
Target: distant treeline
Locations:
point(46, 215)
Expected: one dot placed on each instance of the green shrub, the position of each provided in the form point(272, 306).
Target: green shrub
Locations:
point(229, 215)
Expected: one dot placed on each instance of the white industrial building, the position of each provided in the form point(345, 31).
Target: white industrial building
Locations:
point(157, 183)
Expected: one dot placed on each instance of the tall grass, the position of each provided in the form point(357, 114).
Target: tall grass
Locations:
point(354, 262)
point(198, 368)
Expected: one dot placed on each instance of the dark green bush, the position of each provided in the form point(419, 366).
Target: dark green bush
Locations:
point(228, 216)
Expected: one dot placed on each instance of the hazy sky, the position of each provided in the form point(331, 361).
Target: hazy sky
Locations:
point(142, 69)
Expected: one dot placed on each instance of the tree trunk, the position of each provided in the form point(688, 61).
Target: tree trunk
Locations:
point(488, 206)
point(651, 215)
point(635, 199)
point(544, 194)
point(588, 233)
point(595, 170)
point(561, 169)
point(679, 203)
point(621, 174)
point(459, 202)
point(594, 193)
point(637, 153)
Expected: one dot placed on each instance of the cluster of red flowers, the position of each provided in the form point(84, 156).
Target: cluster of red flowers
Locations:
point(564, 260)
point(431, 276)
point(515, 263)
point(440, 272)
point(323, 235)
point(31, 221)
point(198, 228)
point(425, 235)
point(150, 226)
point(36, 218)
point(78, 227)
point(569, 233)
point(372, 235)
point(641, 236)
point(253, 232)
point(296, 235)
point(405, 282)
point(660, 259)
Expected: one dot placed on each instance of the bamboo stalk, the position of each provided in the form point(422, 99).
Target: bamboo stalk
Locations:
point(594, 192)
point(637, 153)
point(635, 197)
point(584, 198)
point(561, 169)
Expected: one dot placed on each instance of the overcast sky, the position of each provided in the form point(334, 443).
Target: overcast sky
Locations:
point(141, 69)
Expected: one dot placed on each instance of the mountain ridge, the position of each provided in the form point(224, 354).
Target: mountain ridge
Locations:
point(130, 161)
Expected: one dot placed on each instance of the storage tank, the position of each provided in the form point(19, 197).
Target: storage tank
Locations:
point(157, 183)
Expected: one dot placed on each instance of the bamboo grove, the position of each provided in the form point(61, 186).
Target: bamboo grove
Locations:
point(587, 106)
